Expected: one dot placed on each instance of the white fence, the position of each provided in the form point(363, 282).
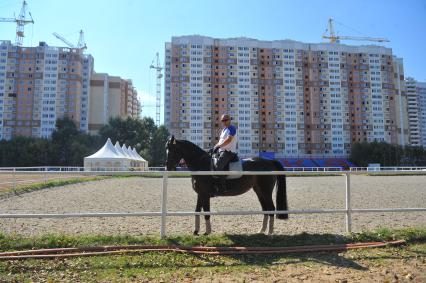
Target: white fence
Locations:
point(164, 213)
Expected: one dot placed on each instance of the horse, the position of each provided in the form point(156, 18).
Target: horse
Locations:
point(197, 159)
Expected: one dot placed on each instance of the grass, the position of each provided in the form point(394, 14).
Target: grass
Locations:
point(178, 267)
point(18, 242)
point(48, 184)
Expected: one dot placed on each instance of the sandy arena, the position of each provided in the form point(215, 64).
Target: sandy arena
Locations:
point(143, 194)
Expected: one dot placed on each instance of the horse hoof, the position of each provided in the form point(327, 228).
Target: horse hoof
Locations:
point(206, 234)
point(196, 233)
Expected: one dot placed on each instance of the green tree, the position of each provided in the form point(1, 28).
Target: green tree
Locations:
point(62, 138)
point(387, 154)
point(137, 133)
point(156, 153)
point(83, 145)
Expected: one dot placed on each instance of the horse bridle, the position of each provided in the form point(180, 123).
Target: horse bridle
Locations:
point(172, 157)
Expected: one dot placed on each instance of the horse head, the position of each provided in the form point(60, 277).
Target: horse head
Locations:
point(186, 153)
point(173, 154)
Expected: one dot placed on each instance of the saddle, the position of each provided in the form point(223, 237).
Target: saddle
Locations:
point(234, 165)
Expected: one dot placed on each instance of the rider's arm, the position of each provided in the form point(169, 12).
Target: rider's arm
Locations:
point(225, 142)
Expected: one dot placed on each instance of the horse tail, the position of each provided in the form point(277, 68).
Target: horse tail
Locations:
point(281, 199)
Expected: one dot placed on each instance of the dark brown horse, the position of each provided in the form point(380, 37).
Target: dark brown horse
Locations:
point(263, 185)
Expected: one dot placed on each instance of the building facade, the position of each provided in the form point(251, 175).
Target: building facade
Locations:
point(39, 85)
point(416, 96)
point(111, 96)
point(413, 112)
point(289, 98)
point(421, 91)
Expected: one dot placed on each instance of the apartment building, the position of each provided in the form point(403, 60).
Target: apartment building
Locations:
point(416, 99)
point(421, 91)
point(40, 84)
point(413, 112)
point(289, 98)
point(111, 96)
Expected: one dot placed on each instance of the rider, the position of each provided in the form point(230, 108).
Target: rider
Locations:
point(227, 147)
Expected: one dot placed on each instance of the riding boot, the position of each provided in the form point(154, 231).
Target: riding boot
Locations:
point(223, 184)
point(220, 186)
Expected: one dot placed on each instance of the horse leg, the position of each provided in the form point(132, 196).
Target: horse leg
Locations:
point(206, 208)
point(197, 217)
point(262, 203)
point(264, 224)
point(271, 224)
point(266, 186)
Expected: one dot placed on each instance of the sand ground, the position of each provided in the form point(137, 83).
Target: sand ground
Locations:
point(144, 194)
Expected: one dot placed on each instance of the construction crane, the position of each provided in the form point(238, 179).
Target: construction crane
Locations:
point(336, 38)
point(80, 45)
point(20, 21)
point(158, 68)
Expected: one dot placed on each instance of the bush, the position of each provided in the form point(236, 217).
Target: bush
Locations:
point(387, 154)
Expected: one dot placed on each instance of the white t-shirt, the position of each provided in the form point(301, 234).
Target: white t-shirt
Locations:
point(226, 132)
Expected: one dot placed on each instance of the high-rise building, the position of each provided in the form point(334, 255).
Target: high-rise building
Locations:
point(39, 85)
point(111, 96)
point(421, 91)
point(413, 112)
point(416, 105)
point(286, 97)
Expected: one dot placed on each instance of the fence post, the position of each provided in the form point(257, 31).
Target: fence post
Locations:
point(164, 205)
point(348, 203)
point(45, 175)
point(14, 179)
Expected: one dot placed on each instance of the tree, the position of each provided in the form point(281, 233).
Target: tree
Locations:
point(83, 145)
point(156, 153)
point(387, 154)
point(69, 145)
point(62, 138)
point(137, 133)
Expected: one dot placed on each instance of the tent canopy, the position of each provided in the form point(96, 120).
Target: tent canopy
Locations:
point(115, 156)
point(107, 151)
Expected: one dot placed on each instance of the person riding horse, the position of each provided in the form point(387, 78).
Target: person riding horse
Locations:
point(263, 185)
point(227, 150)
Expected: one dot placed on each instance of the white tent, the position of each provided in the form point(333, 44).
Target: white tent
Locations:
point(107, 158)
point(137, 162)
point(115, 158)
point(137, 155)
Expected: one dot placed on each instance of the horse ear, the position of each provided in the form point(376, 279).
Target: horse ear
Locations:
point(173, 139)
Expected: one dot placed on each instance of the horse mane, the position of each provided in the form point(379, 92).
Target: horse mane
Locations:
point(193, 146)
point(202, 159)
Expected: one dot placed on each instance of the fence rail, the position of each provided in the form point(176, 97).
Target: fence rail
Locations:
point(164, 213)
point(111, 169)
point(156, 169)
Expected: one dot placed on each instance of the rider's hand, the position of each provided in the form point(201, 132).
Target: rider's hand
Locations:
point(213, 150)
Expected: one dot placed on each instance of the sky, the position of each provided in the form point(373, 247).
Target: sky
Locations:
point(124, 35)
